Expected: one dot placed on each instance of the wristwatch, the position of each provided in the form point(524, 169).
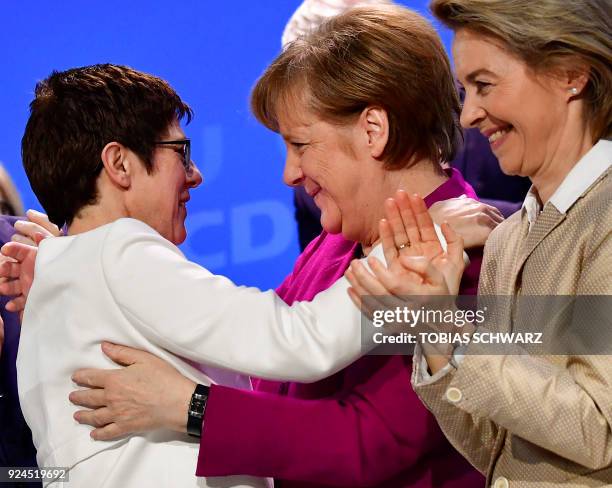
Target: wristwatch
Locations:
point(197, 406)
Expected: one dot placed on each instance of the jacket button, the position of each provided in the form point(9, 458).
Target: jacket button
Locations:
point(501, 482)
point(454, 395)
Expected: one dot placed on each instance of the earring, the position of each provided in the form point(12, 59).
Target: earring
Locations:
point(573, 90)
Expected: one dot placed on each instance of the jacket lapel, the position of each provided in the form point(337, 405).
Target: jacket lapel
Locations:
point(544, 225)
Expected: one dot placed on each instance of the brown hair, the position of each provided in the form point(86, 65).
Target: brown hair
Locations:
point(386, 56)
point(75, 113)
point(548, 35)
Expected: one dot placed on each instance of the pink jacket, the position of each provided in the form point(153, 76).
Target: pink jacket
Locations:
point(363, 426)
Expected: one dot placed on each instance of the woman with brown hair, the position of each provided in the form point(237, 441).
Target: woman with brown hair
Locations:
point(366, 105)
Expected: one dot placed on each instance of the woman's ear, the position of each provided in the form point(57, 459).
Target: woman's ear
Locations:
point(117, 161)
point(376, 125)
point(575, 78)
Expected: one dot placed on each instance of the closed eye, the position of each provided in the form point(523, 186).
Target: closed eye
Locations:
point(298, 146)
point(482, 86)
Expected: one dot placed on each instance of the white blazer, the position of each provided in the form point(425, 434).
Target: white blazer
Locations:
point(124, 283)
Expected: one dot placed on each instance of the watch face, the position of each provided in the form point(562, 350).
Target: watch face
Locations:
point(197, 407)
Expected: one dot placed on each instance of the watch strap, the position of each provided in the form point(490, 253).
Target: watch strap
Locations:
point(197, 407)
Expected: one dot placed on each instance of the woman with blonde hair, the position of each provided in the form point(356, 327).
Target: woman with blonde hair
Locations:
point(538, 83)
point(10, 200)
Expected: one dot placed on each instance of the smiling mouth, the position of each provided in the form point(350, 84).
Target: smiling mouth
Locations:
point(497, 134)
point(183, 203)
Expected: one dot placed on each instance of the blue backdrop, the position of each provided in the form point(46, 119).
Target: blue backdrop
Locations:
point(241, 219)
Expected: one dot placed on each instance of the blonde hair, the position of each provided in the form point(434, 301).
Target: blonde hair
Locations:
point(386, 56)
point(548, 35)
point(9, 193)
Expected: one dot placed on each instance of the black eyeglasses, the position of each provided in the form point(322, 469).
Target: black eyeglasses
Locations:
point(185, 152)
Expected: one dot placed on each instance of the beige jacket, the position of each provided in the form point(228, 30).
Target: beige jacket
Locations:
point(527, 420)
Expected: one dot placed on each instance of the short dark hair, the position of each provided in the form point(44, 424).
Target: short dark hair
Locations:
point(384, 55)
point(75, 113)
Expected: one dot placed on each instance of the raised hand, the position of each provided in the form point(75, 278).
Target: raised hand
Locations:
point(35, 229)
point(409, 232)
point(412, 223)
point(417, 264)
point(17, 273)
point(419, 272)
